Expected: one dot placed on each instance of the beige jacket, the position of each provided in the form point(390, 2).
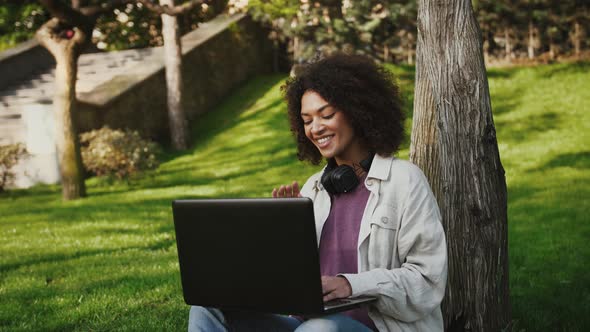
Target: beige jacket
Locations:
point(402, 252)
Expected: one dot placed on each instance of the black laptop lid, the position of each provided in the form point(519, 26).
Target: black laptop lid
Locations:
point(249, 254)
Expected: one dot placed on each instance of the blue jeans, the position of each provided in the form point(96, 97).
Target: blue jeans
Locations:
point(203, 319)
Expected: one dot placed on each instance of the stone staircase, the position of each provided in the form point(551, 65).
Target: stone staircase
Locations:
point(116, 86)
point(37, 92)
point(26, 114)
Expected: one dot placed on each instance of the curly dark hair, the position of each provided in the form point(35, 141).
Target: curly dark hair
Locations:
point(363, 91)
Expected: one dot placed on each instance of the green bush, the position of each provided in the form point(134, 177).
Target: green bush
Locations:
point(117, 153)
point(9, 156)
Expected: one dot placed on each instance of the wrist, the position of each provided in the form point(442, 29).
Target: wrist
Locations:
point(346, 285)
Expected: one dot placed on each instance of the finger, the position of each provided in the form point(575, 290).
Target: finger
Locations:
point(288, 191)
point(330, 296)
point(282, 191)
point(328, 285)
point(274, 192)
point(296, 192)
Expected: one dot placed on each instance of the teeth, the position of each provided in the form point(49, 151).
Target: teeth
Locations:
point(324, 139)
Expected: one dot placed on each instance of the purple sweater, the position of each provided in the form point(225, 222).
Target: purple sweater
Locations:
point(338, 242)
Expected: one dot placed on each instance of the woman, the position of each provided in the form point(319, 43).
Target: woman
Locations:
point(377, 221)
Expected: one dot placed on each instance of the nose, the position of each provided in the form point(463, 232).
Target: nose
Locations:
point(317, 127)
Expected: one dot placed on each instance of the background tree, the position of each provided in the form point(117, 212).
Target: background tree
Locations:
point(369, 27)
point(65, 35)
point(179, 134)
point(454, 142)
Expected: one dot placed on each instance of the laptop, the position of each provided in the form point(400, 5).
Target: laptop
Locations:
point(252, 255)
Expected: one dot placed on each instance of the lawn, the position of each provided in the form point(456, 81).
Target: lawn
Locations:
point(108, 262)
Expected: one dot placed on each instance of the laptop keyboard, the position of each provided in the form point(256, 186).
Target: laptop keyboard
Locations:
point(336, 302)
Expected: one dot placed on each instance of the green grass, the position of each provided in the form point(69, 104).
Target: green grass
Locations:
point(542, 121)
point(108, 262)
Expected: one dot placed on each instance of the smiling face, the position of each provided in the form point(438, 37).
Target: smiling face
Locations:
point(329, 130)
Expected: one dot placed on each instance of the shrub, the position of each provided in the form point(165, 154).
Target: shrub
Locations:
point(9, 156)
point(117, 153)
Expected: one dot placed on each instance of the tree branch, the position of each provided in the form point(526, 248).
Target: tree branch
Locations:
point(108, 6)
point(172, 11)
point(45, 36)
point(66, 14)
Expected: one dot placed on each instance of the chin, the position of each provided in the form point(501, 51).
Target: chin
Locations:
point(327, 155)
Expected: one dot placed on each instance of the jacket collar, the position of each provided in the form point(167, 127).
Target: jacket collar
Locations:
point(380, 167)
point(379, 170)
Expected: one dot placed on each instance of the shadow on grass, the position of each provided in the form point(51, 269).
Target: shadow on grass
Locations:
point(579, 160)
point(106, 303)
point(41, 192)
point(520, 130)
point(501, 73)
point(60, 258)
point(564, 68)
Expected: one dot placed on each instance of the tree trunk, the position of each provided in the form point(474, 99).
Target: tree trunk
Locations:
point(65, 46)
point(385, 53)
point(454, 142)
point(577, 39)
point(486, 52)
point(66, 133)
point(296, 50)
point(173, 61)
point(410, 56)
point(552, 48)
point(531, 41)
point(508, 44)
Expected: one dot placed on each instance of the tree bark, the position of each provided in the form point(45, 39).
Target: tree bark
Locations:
point(296, 50)
point(552, 49)
point(410, 56)
point(508, 44)
point(531, 41)
point(173, 61)
point(66, 51)
point(577, 39)
point(454, 143)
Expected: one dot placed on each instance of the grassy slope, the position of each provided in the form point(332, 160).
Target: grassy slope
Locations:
point(542, 121)
point(109, 261)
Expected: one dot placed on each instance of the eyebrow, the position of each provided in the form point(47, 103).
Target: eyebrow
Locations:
point(319, 110)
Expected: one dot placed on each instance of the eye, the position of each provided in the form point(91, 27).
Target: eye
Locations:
point(306, 123)
point(329, 116)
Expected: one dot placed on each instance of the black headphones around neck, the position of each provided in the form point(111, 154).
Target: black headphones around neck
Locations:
point(342, 179)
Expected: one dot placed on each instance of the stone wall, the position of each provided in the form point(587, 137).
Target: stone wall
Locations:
point(22, 61)
point(217, 57)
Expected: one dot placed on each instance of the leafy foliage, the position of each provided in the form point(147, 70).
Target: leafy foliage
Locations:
point(19, 21)
point(9, 156)
point(370, 27)
point(117, 153)
point(132, 26)
point(386, 29)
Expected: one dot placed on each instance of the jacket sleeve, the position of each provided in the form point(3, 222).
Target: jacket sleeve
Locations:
point(308, 187)
point(415, 289)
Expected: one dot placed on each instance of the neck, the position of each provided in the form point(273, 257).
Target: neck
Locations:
point(354, 159)
point(355, 163)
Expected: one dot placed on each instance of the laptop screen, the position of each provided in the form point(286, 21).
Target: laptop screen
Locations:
point(249, 254)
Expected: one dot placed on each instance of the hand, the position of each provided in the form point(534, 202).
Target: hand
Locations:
point(335, 288)
point(287, 191)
